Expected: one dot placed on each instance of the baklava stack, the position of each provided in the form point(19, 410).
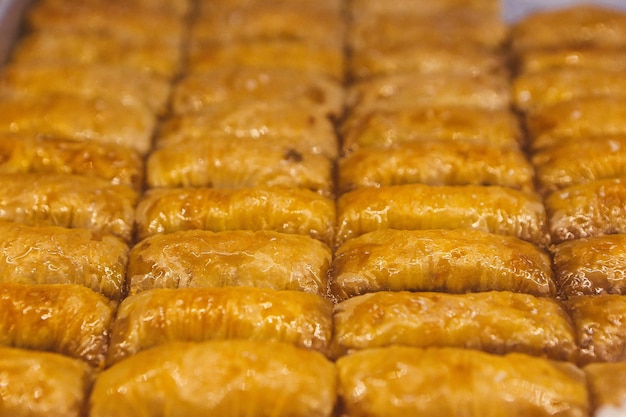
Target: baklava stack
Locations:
point(446, 298)
point(570, 86)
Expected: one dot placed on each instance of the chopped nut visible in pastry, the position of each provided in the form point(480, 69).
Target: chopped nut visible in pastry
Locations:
point(201, 258)
point(41, 384)
point(70, 201)
point(435, 162)
point(590, 266)
point(68, 319)
point(117, 164)
point(494, 209)
point(295, 211)
point(600, 325)
point(591, 209)
point(223, 378)
point(495, 322)
point(402, 381)
point(232, 163)
point(80, 119)
point(161, 316)
point(55, 255)
point(454, 261)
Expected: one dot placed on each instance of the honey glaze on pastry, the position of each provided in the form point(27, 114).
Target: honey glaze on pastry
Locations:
point(202, 258)
point(221, 378)
point(494, 209)
point(607, 388)
point(296, 211)
point(496, 322)
point(400, 381)
point(68, 319)
point(159, 316)
point(41, 384)
point(454, 261)
point(55, 255)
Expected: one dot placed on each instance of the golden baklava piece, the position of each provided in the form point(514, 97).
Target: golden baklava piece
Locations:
point(72, 201)
point(54, 255)
point(160, 316)
point(401, 381)
point(494, 209)
point(452, 261)
point(117, 164)
point(225, 378)
point(202, 258)
point(385, 127)
point(591, 209)
point(68, 319)
point(435, 162)
point(607, 388)
point(295, 211)
point(599, 323)
point(590, 266)
point(232, 163)
point(495, 322)
point(42, 384)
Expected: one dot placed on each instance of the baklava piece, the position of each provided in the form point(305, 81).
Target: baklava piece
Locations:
point(495, 322)
point(591, 209)
point(41, 384)
point(68, 319)
point(223, 378)
point(295, 211)
point(435, 163)
point(201, 258)
point(401, 381)
point(55, 255)
point(607, 388)
point(117, 164)
point(494, 209)
point(453, 261)
point(232, 163)
point(599, 323)
point(161, 316)
point(71, 201)
point(590, 266)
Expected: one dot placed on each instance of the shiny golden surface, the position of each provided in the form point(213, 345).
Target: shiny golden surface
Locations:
point(590, 266)
point(160, 316)
point(32, 154)
point(600, 323)
point(80, 119)
point(232, 84)
point(591, 209)
point(70, 201)
point(383, 128)
point(91, 81)
point(407, 90)
point(295, 211)
point(494, 209)
point(576, 119)
point(496, 322)
point(573, 26)
point(233, 163)
point(607, 386)
point(53, 47)
point(276, 53)
point(38, 384)
point(68, 319)
point(401, 381)
point(55, 255)
point(454, 261)
point(580, 161)
point(222, 378)
point(435, 163)
point(302, 128)
point(201, 258)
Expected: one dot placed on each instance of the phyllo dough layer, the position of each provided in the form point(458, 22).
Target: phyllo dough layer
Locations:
point(202, 258)
point(222, 378)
